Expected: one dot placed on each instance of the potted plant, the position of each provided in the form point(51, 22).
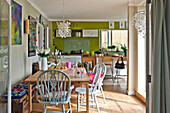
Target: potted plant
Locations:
point(124, 48)
point(112, 47)
point(117, 46)
point(44, 54)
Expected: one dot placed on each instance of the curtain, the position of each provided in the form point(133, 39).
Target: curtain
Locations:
point(160, 22)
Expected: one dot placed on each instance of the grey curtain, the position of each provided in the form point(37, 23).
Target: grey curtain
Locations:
point(160, 56)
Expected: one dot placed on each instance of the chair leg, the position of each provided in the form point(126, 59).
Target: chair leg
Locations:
point(111, 68)
point(70, 106)
point(44, 108)
point(117, 72)
point(81, 98)
point(92, 99)
point(78, 103)
point(63, 108)
point(103, 94)
point(97, 104)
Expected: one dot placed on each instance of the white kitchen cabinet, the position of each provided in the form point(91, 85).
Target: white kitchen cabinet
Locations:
point(90, 33)
point(57, 35)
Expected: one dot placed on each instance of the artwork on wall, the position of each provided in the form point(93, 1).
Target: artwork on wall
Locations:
point(3, 23)
point(32, 37)
point(127, 24)
point(122, 25)
point(16, 27)
point(111, 25)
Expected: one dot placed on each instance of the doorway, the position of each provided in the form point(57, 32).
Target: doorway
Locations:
point(4, 55)
point(117, 38)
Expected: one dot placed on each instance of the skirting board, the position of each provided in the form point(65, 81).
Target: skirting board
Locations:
point(130, 92)
point(139, 96)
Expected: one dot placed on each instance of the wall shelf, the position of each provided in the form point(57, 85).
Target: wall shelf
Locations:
point(76, 33)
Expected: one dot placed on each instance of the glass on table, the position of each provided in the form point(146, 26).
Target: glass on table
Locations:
point(78, 73)
point(83, 74)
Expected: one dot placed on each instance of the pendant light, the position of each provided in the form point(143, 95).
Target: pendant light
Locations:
point(63, 27)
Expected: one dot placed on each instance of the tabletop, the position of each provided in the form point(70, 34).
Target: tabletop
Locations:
point(69, 72)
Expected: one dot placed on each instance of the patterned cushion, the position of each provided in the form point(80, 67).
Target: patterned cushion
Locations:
point(24, 85)
point(16, 93)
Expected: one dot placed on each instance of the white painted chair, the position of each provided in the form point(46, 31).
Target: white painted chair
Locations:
point(92, 91)
point(100, 88)
point(55, 88)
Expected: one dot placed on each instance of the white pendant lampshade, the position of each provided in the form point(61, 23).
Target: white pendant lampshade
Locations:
point(63, 27)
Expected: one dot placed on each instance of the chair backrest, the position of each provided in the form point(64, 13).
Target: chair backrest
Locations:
point(107, 59)
point(102, 66)
point(54, 87)
point(96, 80)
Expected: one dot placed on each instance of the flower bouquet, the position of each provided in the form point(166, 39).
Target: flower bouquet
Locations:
point(44, 54)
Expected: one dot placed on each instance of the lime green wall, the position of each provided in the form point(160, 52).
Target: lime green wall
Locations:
point(94, 41)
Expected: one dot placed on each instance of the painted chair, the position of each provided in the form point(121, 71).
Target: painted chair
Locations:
point(55, 88)
point(100, 84)
point(92, 91)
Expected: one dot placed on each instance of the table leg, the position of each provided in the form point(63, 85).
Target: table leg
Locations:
point(87, 97)
point(30, 97)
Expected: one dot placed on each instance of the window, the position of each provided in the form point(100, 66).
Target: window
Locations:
point(119, 36)
point(113, 37)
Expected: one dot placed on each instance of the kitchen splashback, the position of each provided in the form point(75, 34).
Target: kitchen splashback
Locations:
point(76, 45)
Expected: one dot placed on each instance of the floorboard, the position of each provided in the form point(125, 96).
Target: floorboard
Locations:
point(116, 98)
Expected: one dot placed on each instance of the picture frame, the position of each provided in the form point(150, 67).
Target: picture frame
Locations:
point(122, 25)
point(16, 25)
point(111, 25)
point(32, 36)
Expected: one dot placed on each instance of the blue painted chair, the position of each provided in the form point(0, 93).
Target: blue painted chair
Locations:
point(55, 88)
point(92, 91)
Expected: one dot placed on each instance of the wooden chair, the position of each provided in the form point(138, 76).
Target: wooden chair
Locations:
point(108, 61)
point(92, 91)
point(55, 88)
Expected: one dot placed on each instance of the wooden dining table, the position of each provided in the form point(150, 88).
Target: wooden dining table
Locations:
point(32, 79)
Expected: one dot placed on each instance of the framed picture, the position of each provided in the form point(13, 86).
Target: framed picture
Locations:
point(111, 25)
point(16, 27)
point(32, 37)
point(3, 23)
point(122, 25)
point(126, 24)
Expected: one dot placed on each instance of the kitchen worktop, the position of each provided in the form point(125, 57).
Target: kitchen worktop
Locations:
point(91, 56)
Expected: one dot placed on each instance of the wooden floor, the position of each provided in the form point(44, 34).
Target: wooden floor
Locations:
point(117, 102)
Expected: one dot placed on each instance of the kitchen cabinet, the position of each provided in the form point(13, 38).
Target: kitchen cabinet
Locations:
point(57, 35)
point(90, 33)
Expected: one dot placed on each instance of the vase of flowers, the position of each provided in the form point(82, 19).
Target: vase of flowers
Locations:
point(44, 54)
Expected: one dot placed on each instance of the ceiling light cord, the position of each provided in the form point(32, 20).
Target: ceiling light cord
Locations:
point(63, 10)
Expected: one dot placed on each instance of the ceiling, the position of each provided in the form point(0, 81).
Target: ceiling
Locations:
point(84, 9)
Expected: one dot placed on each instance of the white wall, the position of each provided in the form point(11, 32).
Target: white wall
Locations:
point(21, 64)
